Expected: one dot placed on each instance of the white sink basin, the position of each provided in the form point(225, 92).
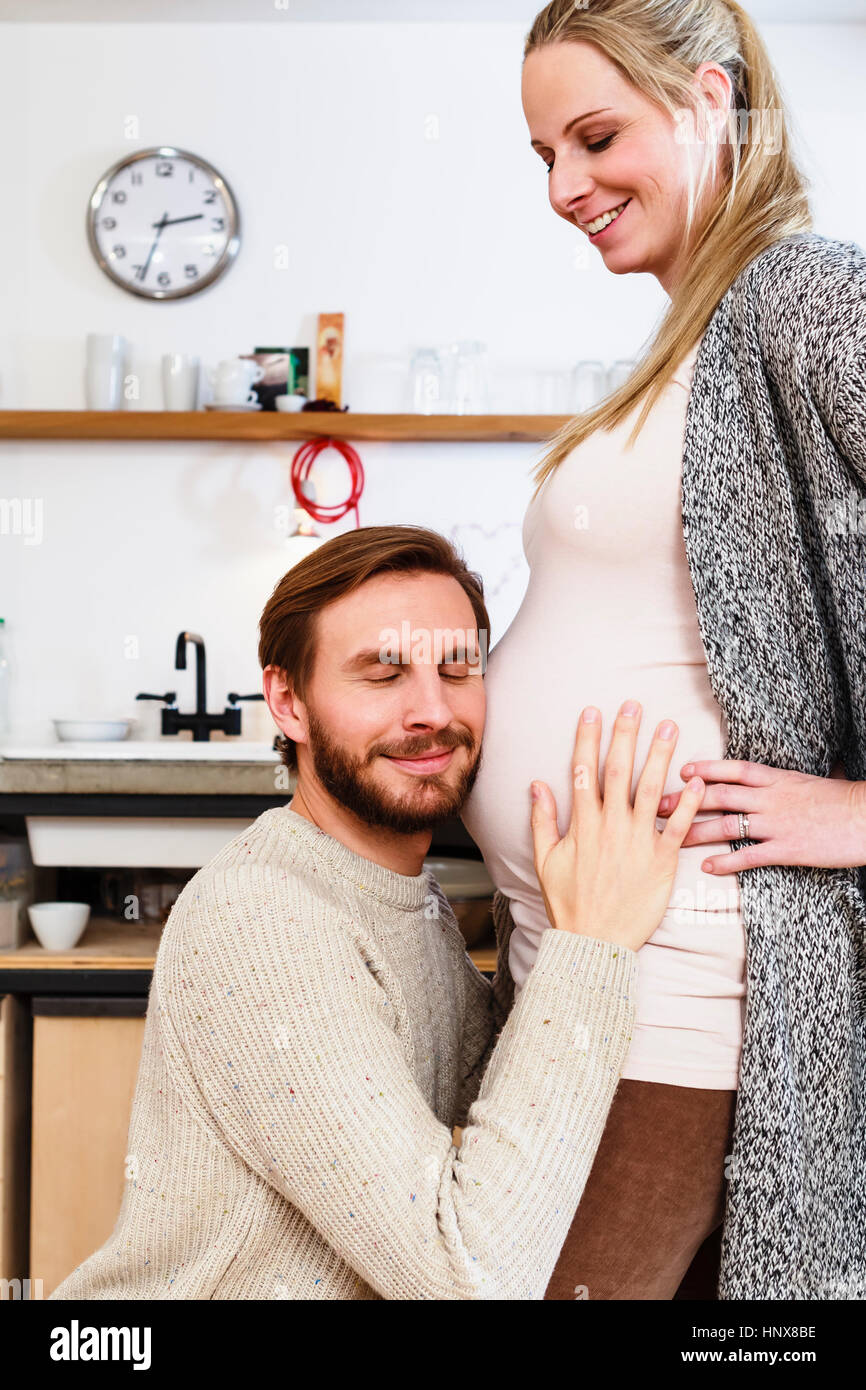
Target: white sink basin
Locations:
point(161, 750)
point(159, 842)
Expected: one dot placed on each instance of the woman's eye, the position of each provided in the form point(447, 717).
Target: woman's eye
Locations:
point(596, 148)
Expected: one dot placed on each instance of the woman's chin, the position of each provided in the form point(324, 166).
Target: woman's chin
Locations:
point(620, 260)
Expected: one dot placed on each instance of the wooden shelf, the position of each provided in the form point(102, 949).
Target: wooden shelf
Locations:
point(106, 944)
point(272, 425)
point(109, 944)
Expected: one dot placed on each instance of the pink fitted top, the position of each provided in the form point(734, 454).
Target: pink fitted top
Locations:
point(609, 612)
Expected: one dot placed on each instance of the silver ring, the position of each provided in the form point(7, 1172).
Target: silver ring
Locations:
point(743, 823)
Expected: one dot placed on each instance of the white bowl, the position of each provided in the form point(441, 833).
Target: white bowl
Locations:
point(461, 878)
point(78, 730)
point(289, 403)
point(58, 926)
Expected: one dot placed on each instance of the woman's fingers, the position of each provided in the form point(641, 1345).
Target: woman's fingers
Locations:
point(724, 796)
point(619, 763)
point(679, 821)
point(731, 770)
point(542, 823)
point(585, 794)
point(652, 780)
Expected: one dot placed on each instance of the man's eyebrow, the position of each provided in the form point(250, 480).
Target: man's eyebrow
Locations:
point(361, 660)
point(577, 119)
point(371, 656)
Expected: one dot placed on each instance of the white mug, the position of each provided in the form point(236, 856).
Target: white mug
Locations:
point(179, 381)
point(104, 371)
point(105, 346)
point(233, 380)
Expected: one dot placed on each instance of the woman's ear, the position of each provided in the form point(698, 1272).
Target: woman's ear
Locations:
point(716, 89)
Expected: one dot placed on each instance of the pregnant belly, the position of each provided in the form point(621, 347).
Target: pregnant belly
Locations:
point(529, 734)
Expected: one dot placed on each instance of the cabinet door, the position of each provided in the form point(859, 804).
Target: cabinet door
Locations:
point(86, 1054)
point(14, 1122)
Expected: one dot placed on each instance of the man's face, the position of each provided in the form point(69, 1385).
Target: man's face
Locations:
point(389, 686)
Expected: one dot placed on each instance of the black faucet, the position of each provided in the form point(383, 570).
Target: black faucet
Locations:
point(200, 677)
point(200, 723)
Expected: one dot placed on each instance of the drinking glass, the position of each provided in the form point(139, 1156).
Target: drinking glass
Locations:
point(589, 385)
point(467, 384)
point(425, 382)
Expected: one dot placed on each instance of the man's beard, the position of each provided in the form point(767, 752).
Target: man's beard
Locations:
point(350, 783)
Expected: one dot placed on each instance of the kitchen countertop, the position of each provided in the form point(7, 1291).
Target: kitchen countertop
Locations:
point(112, 956)
point(60, 775)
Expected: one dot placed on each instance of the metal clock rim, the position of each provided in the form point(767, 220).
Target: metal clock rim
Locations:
point(168, 152)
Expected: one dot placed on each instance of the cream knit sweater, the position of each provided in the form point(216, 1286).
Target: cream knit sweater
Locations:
point(314, 1031)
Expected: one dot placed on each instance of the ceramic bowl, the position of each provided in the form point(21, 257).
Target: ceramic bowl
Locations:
point(58, 926)
point(88, 730)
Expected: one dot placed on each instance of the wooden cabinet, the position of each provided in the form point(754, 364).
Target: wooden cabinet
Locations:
point(86, 1053)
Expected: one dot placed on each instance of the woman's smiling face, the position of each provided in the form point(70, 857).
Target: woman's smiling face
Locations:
point(626, 152)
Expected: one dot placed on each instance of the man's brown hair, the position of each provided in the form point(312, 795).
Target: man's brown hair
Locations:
point(287, 628)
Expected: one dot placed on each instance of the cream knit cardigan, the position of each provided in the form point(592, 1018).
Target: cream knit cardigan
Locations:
point(314, 1031)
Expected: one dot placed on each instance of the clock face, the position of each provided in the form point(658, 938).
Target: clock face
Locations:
point(163, 223)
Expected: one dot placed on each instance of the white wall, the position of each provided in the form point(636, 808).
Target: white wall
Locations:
point(320, 129)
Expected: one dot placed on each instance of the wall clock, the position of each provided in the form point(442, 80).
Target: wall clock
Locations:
point(163, 223)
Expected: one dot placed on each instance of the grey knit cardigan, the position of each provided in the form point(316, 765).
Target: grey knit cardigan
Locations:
point(774, 520)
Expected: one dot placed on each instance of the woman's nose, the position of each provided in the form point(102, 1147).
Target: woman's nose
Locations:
point(569, 189)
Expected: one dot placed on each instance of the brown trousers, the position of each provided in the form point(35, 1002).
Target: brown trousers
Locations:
point(654, 1200)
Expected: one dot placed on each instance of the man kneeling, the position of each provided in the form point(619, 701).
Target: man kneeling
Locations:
point(315, 1027)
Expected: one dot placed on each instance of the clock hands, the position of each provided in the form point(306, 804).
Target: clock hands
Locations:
point(159, 226)
point(165, 221)
point(174, 220)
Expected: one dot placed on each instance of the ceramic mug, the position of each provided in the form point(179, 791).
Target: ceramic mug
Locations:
point(104, 371)
point(233, 380)
point(179, 381)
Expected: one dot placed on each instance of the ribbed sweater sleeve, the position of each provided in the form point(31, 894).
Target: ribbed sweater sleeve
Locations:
point(487, 1006)
point(291, 1042)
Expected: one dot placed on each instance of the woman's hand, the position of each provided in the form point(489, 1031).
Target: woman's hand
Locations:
point(795, 817)
point(611, 874)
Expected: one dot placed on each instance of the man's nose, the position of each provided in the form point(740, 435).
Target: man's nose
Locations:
point(427, 699)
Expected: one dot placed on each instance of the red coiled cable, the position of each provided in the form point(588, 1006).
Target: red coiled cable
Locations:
point(303, 462)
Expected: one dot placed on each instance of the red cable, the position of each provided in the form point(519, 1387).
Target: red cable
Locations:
point(303, 462)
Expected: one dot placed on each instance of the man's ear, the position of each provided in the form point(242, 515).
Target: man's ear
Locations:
point(288, 711)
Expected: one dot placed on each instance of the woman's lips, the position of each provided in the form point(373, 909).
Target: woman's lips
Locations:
point(424, 763)
point(594, 236)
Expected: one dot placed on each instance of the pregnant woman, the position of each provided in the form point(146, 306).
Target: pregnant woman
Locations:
point(698, 542)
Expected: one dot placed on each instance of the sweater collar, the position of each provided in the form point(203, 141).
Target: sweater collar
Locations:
point(404, 891)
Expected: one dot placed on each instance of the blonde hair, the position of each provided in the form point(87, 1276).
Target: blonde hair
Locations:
point(658, 45)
